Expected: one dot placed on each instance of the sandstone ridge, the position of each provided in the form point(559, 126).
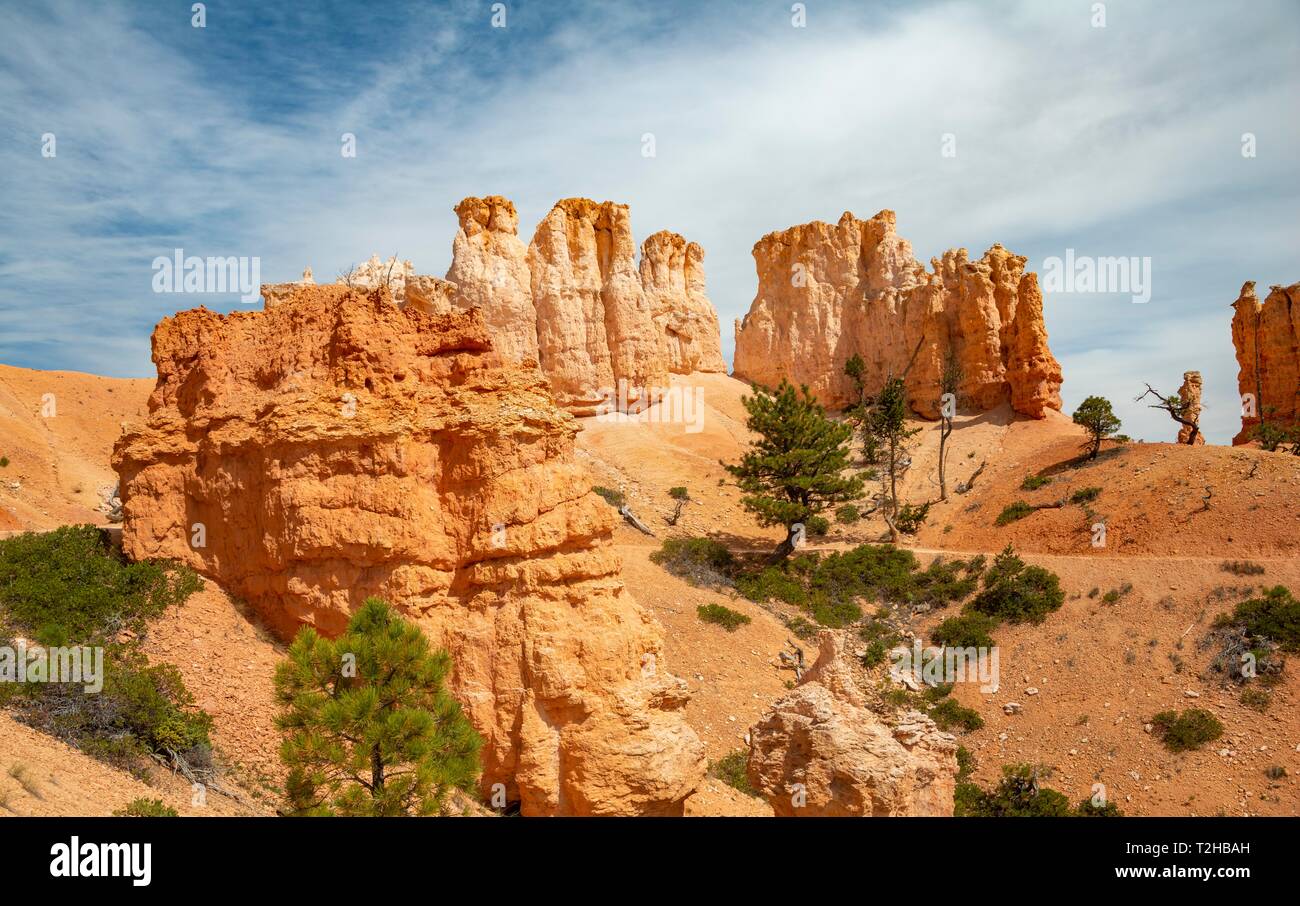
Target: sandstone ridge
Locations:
point(1266, 336)
point(829, 291)
point(605, 330)
point(335, 446)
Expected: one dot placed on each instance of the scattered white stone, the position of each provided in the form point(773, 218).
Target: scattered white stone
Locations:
point(1011, 708)
point(1032, 690)
point(1191, 693)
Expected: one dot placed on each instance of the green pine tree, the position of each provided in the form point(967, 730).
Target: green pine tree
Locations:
point(888, 419)
point(1098, 419)
point(793, 469)
point(370, 728)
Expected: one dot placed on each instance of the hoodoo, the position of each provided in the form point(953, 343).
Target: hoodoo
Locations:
point(1266, 336)
point(827, 292)
point(337, 445)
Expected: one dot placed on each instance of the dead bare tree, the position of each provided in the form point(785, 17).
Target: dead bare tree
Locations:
point(965, 486)
point(948, 385)
point(1178, 410)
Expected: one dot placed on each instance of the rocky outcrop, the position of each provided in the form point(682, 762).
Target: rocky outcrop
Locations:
point(827, 292)
point(489, 267)
point(337, 446)
point(1189, 398)
point(594, 326)
point(1267, 339)
point(820, 752)
point(672, 276)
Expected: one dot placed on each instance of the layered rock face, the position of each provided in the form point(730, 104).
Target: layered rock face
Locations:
point(1189, 395)
point(829, 291)
point(594, 325)
point(575, 300)
point(489, 268)
point(821, 753)
point(336, 446)
point(672, 275)
point(1267, 339)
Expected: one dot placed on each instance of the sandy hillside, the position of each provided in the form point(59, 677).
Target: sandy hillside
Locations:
point(41, 775)
point(58, 464)
point(1101, 670)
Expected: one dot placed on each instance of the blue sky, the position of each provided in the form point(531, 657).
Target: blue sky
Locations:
point(224, 140)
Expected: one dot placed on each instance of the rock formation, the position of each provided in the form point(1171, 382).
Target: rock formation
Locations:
point(1267, 339)
point(821, 753)
point(1189, 395)
point(672, 275)
point(573, 300)
point(489, 267)
point(336, 446)
point(827, 292)
point(594, 327)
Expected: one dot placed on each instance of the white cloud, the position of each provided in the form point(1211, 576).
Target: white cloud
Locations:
point(1123, 140)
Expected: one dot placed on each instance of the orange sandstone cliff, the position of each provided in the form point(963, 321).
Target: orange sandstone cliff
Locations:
point(1266, 336)
point(337, 445)
point(829, 291)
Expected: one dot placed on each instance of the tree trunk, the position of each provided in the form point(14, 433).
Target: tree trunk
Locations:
point(945, 429)
point(786, 547)
point(376, 771)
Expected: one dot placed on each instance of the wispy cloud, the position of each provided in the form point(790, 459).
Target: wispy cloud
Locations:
point(1121, 140)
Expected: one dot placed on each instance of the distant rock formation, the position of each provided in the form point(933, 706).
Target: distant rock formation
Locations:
point(672, 275)
point(821, 753)
point(489, 269)
point(1267, 339)
point(335, 446)
point(829, 291)
point(594, 325)
point(1189, 395)
point(573, 300)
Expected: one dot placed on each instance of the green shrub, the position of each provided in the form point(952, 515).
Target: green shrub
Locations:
point(731, 770)
point(1085, 495)
point(835, 613)
point(847, 514)
point(1018, 593)
point(948, 715)
point(1086, 809)
point(4, 462)
point(817, 526)
point(1275, 617)
point(70, 587)
point(728, 619)
point(1034, 482)
point(700, 561)
point(1017, 796)
point(969, 630)
point(966, 764)
point(909, 518)
point(801, 628)
point(679, 493)
point(772, 584)
point(612, 497)
point(1013, 512)
point(146, 808)
point(71, 584)
point(1186, 731)
point(1256, 699)
point(1241, 568)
